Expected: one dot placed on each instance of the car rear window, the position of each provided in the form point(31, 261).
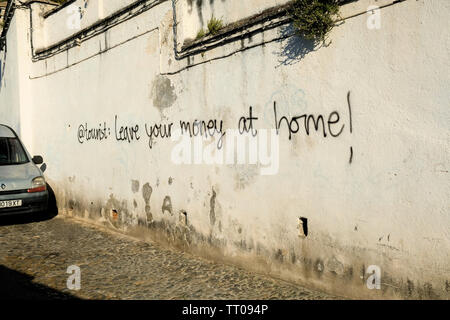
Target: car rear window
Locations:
point(11, 152)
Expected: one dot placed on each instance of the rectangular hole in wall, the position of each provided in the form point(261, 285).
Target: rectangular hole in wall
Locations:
point(303, 226)
point(183, 217)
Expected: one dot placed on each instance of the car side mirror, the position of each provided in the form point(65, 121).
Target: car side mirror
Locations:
point(37, 160)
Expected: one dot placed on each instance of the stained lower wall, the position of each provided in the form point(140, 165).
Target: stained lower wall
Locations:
point(372, 181)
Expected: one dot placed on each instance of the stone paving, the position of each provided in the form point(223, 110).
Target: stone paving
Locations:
point(34, 258)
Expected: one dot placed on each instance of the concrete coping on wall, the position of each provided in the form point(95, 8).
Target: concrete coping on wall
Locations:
point(58, 8)
point(278, 15)
point(99, 24)
point(10, 6)
point(238, 26)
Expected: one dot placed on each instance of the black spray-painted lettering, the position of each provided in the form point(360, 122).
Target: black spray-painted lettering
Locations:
point(86, 134)
point(126, 133)
point(318, 121)
point(162, 131)
point(204, 129)
point(246, 124)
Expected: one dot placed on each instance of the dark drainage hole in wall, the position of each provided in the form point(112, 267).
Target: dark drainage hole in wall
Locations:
point(303, 225)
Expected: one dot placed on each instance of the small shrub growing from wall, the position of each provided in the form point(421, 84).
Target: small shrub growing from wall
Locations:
point(200, 34)
point(314, 19)
point(214, 25)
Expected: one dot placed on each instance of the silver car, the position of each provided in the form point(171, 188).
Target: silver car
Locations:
point(23, 189)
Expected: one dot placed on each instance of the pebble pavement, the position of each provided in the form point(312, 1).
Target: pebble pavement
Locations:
point(34, 258)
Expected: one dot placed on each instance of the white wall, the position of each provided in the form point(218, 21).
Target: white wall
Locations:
point(388, 207)
point(82, 14)
point(9, 98)
point(15, 99)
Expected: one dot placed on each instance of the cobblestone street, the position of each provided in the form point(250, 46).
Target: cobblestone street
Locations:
point(34, 258)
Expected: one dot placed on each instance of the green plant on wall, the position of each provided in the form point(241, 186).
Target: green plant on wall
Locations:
point(314, 19)
point(213, 27)
point(200, 34)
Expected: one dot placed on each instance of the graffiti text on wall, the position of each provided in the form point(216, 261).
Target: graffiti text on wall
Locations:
point(327, 125)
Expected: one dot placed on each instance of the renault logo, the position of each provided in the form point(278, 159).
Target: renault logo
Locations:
point(3, 186)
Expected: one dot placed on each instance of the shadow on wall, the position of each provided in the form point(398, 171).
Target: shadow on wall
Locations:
point(199, 4)
point(51, 212)
point(293, 47)
point(20, 286)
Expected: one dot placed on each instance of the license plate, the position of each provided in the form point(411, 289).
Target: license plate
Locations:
point(10, 203)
